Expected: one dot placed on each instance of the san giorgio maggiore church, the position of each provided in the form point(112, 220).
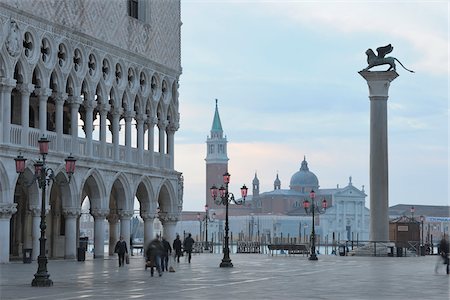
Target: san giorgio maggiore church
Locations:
point(270, 216)
point(99, 81)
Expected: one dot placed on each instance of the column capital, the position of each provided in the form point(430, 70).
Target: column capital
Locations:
point(173, 127)
point(128, 115)
point(378, 82)
point(104, 108)
point(71, 212)
point(99, 213)
point(25, 88)
point(169, 217)
point(7, 210)
point(125, 214)
point(43, 92)
point(112, 218)
point(151, 120)
point(89, 104)
point(162, 124)
point(117, 112)
point(7, 84)
point(140, 118)
point(146, 216)
point(75, 100)
point(60, 98)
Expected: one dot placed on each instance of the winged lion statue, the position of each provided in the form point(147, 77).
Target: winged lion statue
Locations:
point(380, 59)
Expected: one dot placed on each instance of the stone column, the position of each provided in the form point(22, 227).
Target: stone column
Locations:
point(25, 91)
point(169, 222)
point(43, 94)
point(104, 109)
point(115, 132)
point(75, 102)
point(113, 232)
point(151, 122)
point(35, 230)
point(70, 216)
point(378, 83)
point(89, 105)
point(129, 115)
point(99, 231)
point(6, 86)
point(162, 130)
point(125, 225)
point(149, 233)
point(171, 143)
point(140, 136)
point(6, 211)
point(60, 98)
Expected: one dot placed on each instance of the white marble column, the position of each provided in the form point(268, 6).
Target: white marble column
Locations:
point(379, 82)
point(89, 104)
point(115, 132)
point(60, 98)
point(162, 132)
point(25, 92)
point(169, 222)
point(99, 231)
point(6, 86)
point(151, 122)
point(149, 233)
point(35, 231)
point(43, 94)
point(113, 220)
point(171, 143)
point(6, 211)
point(129, 115)
point(70, 238)
point(140, 136)
point(104, 109)
point(75, 102)
point(125, 225)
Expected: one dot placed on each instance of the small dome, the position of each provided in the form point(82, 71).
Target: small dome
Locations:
point(304, 178)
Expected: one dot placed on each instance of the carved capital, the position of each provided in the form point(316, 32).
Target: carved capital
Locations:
point(25, 88)
point(99, 213)
point(112, 218)
point(169, 218)
point(162, 124)
point(104, 108)
point(125, 214)
point(128, 115)
point(75, 101)
point(173, 127)
point(43, 92)
point(7, 210)
point(60, 98)
point(140, 118)
point(71, 212)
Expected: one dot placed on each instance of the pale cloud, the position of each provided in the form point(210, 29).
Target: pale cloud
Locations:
point(422, 25)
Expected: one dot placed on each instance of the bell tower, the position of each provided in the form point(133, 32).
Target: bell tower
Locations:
point(216, 158)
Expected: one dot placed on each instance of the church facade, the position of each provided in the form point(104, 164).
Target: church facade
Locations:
point(99, 80)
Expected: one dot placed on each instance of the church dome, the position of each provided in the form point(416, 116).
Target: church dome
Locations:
point(304, 178)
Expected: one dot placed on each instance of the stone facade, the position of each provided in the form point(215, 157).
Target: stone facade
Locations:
point(103, 86)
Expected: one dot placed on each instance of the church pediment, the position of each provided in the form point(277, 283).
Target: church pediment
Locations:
point(350, 191)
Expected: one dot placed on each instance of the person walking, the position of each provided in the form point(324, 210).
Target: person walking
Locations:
point(187, 245)
point(177, 247)
point(165, 256)
point(443, 253)
point(121, 250)
point(153, 253)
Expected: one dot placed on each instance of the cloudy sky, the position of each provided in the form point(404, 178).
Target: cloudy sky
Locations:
point(286, 77)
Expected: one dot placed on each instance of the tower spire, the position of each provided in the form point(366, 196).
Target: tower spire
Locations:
point(216, 125)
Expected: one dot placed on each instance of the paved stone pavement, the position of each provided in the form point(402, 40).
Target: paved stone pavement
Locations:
point(254, 276)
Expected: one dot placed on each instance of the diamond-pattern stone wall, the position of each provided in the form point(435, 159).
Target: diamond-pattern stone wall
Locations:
point(108, 22)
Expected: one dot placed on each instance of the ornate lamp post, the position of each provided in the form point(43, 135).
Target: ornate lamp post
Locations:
point(314, 207)
point(422, 243)
point(224, 199)
point(43, 175)
point(205, 219)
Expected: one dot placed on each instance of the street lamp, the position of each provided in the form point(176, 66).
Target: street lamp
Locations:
point(422, 244)
point(43, 175)
point(224, 199)
point(314, 207)
point(205, 219)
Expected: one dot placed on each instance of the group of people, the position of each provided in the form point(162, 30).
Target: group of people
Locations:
point(158, 253)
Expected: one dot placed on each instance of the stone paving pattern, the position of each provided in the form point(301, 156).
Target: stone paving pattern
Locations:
point(254, 276)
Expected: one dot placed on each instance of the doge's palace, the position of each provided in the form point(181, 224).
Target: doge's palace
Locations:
point(99, 80)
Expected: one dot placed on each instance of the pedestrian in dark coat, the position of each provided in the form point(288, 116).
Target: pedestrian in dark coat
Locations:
point(121, 250)
point(177, 248)
point(188, 244)
point(153, 253)
point(165, 256)
point(443, 253)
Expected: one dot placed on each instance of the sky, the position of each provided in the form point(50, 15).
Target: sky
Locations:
point(285, 74)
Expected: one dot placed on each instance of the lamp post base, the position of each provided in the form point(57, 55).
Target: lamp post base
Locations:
point(226, 264)
point(42, 280)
